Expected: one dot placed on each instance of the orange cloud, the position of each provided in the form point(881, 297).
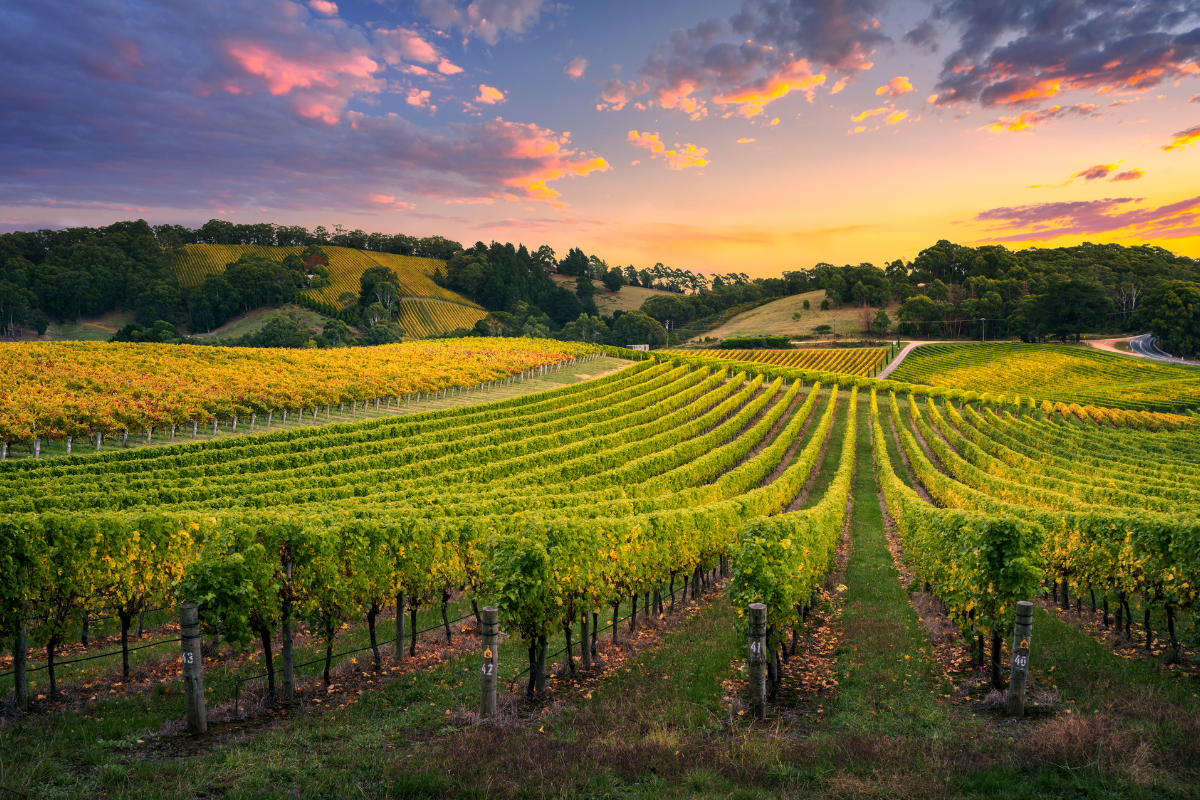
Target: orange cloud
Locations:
point(753, 96)
point(1096, 172)
point(896, 87)
point(687, 155)
point(895, 117)
point(489, 95)
point(1128, 175)
point(744, 141)
point(1026, 121)
point(548, 154)
point(870, 113)
point(1038, 91)
point(1183, 139)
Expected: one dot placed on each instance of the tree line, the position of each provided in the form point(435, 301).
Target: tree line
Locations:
point(947, 291)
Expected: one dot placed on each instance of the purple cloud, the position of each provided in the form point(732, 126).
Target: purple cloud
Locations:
point(1042, 221)
point(765, 51)
point(260, 104)
point(1021, 52)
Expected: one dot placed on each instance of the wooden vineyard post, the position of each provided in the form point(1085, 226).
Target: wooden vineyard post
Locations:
point(491, 646)
point(1022, 633)
point(289, 672)
point(585, 649)
point(757, 660)
point(20, 677)
point(193, 669)
point(399, 627)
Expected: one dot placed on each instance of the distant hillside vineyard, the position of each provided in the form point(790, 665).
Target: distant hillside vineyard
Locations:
point(426, 310)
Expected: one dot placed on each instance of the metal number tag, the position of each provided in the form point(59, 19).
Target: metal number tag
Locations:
point(487, 653)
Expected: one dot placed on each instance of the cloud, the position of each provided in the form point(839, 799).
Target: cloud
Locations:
point(1193, 99)
point(1044, 221)
point(1128, 175)
point(324, 7)
point(685, 156)
point(489, 95)
point(871, 113)
point(420, 99)
point(446, 68)
point(895, 117)
point(576, 67)
point(390, 201)
point(896, 87)
point(321, 80)
point(1094, 173)
point(744, 141)
point(1026, 121)
point(764, 52)
point(1024, 52)
point(615, 94)
point(404, 44)
point(483, 19)
point(247, 105)
point(1184, 139)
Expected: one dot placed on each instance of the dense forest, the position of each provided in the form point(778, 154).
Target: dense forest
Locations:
point(947, 291)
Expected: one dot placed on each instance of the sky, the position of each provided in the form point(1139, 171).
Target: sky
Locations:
point(753, 136)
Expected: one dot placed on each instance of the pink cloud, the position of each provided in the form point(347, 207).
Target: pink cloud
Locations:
point(446, 68)
point(325, 7)
point(576, 67)
point(489, 95)
point(615, 94)
point(322, 84)
point(390, 201)
point(406, 44)
point(896, 87)
point(1044, 221)
point(683, 157)
point(420, 98)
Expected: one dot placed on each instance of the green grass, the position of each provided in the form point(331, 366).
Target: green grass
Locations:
point(254, 321)
point(629, 298)
point(1068, 374)
point(96, 329)
point(776, 318)
point(885, 663)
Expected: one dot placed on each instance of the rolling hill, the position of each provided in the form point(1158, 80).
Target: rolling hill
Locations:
point(426, 310)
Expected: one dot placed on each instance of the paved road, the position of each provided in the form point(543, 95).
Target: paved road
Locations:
point(908, 348)
point(1144, 346)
